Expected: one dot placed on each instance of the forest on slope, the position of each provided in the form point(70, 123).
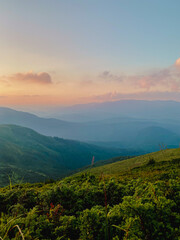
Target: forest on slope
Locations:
point(27, 156)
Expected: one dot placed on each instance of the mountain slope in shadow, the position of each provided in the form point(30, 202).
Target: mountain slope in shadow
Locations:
point(27, 154)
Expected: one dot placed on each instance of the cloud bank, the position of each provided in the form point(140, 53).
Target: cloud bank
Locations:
point(166, 78)
point(42, 78)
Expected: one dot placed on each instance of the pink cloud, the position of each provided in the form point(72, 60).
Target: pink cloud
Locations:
point(168, 78)
point(36, 78)
point(162, 77)
point(177, 63)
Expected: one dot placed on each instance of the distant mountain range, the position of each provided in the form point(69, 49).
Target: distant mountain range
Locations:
point(132, 128)
point(28, 156)
point(157, 136)
point(135, 126)
point(141, 109)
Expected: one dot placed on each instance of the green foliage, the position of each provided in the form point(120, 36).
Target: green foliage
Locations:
point(140, 203)
point(151, 161)
point(92, 223)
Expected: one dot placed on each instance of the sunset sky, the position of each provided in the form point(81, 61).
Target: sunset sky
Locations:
point(64, 52)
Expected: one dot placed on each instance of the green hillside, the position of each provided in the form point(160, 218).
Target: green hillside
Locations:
point(135, 199)
point(28, 156)
point(121, 166)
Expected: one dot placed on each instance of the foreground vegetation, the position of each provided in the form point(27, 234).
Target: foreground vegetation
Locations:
point(140, 201)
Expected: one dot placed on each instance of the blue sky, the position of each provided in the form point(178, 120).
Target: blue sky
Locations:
point(77, 40)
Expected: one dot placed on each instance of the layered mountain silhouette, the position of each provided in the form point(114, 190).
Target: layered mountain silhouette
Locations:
point(119, 132)
point(28, 155)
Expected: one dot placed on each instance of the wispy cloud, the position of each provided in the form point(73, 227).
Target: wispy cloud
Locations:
point(168, 78)
point(108, 76)
point(29, 77)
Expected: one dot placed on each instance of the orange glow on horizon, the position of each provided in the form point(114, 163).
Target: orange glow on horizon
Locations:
point(43, 88)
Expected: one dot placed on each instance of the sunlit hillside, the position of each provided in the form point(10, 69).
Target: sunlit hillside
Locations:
point(134, 199)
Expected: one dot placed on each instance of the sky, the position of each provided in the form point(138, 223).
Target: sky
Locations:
point(64, 52)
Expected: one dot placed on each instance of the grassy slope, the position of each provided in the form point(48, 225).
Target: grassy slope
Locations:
point(121, 166)
point(132, 186)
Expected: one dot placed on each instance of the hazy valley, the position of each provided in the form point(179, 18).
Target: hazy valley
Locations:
point(138, 125)
point(81, 180)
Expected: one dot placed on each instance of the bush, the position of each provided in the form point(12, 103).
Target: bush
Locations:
point(151, 161)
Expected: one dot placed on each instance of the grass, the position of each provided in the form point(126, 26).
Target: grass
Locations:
point(10, 227)
point(128, 164)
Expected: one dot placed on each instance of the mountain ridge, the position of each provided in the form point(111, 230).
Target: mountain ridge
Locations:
point(120, 129)
point(53, 157)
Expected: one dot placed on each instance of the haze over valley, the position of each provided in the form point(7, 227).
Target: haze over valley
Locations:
point(139, 125)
